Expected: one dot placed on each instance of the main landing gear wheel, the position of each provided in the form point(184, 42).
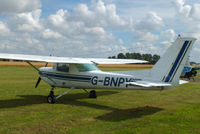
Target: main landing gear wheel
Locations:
point(92, 94)
point(51, 98)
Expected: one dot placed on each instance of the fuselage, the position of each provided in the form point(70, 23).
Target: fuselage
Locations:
point(95, 79)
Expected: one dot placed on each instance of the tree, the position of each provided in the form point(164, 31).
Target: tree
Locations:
point(155, 58)
point(128, 56)
point(121, 56)
point(148, 57)
point(113, 57)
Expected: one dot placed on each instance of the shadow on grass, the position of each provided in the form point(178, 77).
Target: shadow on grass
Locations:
point(70, 99)
point(116, 114)
point(124, 114)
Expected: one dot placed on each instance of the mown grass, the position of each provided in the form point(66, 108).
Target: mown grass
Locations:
point(23, 109)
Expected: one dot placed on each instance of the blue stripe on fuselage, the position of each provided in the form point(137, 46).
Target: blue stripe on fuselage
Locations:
point(177, 61)
point(78, 78)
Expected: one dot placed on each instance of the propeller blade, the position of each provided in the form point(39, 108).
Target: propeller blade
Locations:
point(46, 64)
point(38, 81)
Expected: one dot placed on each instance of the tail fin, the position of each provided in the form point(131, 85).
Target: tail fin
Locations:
point(171, 64)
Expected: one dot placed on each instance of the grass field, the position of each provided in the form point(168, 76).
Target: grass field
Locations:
point(23, 109)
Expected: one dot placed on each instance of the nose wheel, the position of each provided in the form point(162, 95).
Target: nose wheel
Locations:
point(51, 97)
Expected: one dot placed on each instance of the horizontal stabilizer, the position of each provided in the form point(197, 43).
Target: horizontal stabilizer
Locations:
point(183, 82)
point(148, 84)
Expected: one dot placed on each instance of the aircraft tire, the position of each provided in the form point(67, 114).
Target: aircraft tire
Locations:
point(92, 94)
point(51, 99)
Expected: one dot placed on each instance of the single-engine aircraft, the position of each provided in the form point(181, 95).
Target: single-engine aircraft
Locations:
point(80, 73)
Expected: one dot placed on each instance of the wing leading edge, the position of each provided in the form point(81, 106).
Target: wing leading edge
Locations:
point(116, 61)
point(53, 59)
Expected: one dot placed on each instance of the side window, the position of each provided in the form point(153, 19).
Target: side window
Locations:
point(63, 67)
point(86, 67)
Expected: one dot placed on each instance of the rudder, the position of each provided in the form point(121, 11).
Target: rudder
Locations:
point(169, 67)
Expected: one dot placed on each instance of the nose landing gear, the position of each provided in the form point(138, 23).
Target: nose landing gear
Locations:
point(51, 97)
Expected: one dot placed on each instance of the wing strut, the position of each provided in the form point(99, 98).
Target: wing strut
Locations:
point(41, 73)
point(33, 66)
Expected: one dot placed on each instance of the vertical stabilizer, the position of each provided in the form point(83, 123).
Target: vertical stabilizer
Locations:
point(171, 64)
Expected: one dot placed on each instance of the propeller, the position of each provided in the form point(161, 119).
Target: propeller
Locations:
point(39, 79)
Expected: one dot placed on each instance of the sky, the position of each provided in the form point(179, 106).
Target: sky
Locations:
point(97, 28)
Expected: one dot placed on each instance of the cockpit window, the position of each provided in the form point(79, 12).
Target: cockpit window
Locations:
point(86, 67)
point(63, 67)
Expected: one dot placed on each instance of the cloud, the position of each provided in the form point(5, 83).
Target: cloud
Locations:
point(194, 13)
point(182, 9)
point(4, 30)
point(59, 19)
point(86, 29)
point(168, 36)
point(99, 14)
point(188, 18)
point(63, 33)
point(142, 47)
point(49, 34)
point(151, 22)
point(28, 21)
point(83, 13)
point(96, 29)
point(19, 6)
point(143, 32)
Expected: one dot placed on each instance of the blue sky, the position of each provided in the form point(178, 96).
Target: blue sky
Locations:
point(96, 28)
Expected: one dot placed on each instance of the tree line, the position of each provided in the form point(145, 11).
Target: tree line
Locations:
point(152, 59)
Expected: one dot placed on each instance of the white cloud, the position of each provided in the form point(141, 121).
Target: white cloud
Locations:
point(83, 13)
point(19, 6)
point(87, 29)
point(93, 30)
point(188, 18)
point(143, 32)
point(49, 34)
point(4, 30)
point(28, 22)
point(151, 22)
point(105, 14)
point(182, 9)
point(59, 19)
point(168, 36)
point(195, 12)
point(142, 47)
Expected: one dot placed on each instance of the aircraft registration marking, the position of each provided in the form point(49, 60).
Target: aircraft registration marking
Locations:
point(112, 81)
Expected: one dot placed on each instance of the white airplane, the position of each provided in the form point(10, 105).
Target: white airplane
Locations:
point(80, 73)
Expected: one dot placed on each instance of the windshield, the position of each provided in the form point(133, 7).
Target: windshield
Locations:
point(86, 67)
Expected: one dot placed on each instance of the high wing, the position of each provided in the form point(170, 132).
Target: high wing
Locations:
point(53, 59)
point(149, 84)
point(115, 61)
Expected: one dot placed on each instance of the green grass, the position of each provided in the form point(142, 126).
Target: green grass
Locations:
point(23, 109)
